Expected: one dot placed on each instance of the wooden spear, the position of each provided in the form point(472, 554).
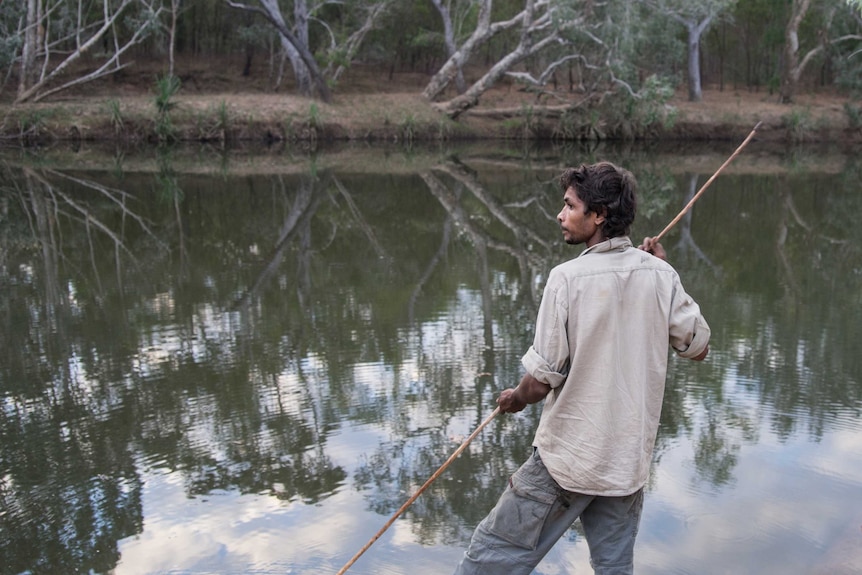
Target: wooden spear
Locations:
point(488, 419)
point(706, 185)
point(431, 479)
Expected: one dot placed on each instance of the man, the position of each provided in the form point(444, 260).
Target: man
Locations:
point(599, 361)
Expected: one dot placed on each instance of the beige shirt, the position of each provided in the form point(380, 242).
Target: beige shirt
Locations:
point(601, 343)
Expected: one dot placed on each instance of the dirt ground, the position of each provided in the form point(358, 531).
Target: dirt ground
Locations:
point(217, 103)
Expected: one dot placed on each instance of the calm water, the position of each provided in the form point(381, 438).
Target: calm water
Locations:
point(247, 363)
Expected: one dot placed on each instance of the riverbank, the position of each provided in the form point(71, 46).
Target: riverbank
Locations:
point(383, 109)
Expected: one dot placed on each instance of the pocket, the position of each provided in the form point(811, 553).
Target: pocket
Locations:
point(520, 514)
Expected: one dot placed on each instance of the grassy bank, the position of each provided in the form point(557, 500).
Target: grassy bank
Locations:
point(149, 117)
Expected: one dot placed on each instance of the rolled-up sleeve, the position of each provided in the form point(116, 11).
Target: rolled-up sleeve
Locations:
point(548, 358)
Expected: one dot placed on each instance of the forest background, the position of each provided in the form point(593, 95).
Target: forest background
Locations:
point(407, 70)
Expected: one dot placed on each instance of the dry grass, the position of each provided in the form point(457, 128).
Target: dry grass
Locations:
point(216, 100)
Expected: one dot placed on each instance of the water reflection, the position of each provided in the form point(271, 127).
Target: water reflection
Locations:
point(321, 338)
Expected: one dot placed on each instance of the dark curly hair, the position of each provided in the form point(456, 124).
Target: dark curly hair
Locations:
point(605, 189)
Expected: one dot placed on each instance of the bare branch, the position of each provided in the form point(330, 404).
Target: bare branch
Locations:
point(546, 73)
point(107, 24)
point(112, 195)
point(271, 11)
point(352, 44)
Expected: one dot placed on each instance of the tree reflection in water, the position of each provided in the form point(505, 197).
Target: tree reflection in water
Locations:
point(227, 332)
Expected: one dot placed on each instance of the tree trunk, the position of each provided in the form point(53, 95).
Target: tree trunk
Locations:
point(300, 57)
point(460, 104)
point(791, 70)
point(301, 70)
point(351, 45)
point(28, 50)
point(453, 65)
point(537, 19)
point(449, 38)
point(175, 8)
point(36, 92)
point(695, 31)
point(794, 74)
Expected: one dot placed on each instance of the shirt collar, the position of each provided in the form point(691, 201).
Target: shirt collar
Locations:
point(618, 243)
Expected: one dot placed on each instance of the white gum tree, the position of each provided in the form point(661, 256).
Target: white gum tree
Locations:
point(56, 34)
point(293, 26)
point(795, 58)
point(539, 26)
point(696, 16)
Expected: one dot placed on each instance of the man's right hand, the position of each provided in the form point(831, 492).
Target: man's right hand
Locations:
point(509, 403)
point(529, 390)
point(652, 246)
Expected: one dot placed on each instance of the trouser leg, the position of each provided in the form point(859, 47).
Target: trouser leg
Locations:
point(611, 526)
point(527, 521)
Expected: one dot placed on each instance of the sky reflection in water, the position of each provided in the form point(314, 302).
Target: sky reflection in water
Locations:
point(251, 372)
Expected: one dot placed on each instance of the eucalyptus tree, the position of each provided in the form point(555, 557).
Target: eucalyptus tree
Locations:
point(172, 33)
point(696, 16)
point(534, 29)
point(796, 57)
point(344, 24)
point(846, 57)
point(56, 34)
point(445, 8)
point(601, 48)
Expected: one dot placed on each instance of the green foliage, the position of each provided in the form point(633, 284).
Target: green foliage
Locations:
point(651, 47)
point(115, 114)
point(214, 123)
point(222, 116)
point(166, 89)
point(408, 37)
point(525, 125)
point(32, 123)
point(622, 115)
point(255, 34)
point(168, 187)
point(799, 124)
point(655, 191)
point(529, 119)
point(314, 119)
point(652, 105)
point(846, 57)
point(428, 40)
point(568, 128)
point(408, 128)
point(10, 39)
point(749, 42)
point(854, 114)
point(773, 83)
point(636, 115)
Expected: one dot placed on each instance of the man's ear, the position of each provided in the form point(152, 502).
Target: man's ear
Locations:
point(600, 217)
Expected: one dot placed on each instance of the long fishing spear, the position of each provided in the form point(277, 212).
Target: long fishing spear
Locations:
point(494, 413)
point(431, 479)
point(706, 185)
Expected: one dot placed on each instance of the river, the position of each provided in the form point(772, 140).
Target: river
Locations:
point(245, 362)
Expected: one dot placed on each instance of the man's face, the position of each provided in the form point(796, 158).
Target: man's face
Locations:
point(579, 227)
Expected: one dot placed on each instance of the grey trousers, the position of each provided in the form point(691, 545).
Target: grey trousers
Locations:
point(534, 512)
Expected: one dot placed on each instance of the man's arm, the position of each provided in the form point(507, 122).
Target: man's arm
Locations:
point(530, 390)
point(655, 248)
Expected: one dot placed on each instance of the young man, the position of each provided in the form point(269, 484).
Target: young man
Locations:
point(598, 360)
